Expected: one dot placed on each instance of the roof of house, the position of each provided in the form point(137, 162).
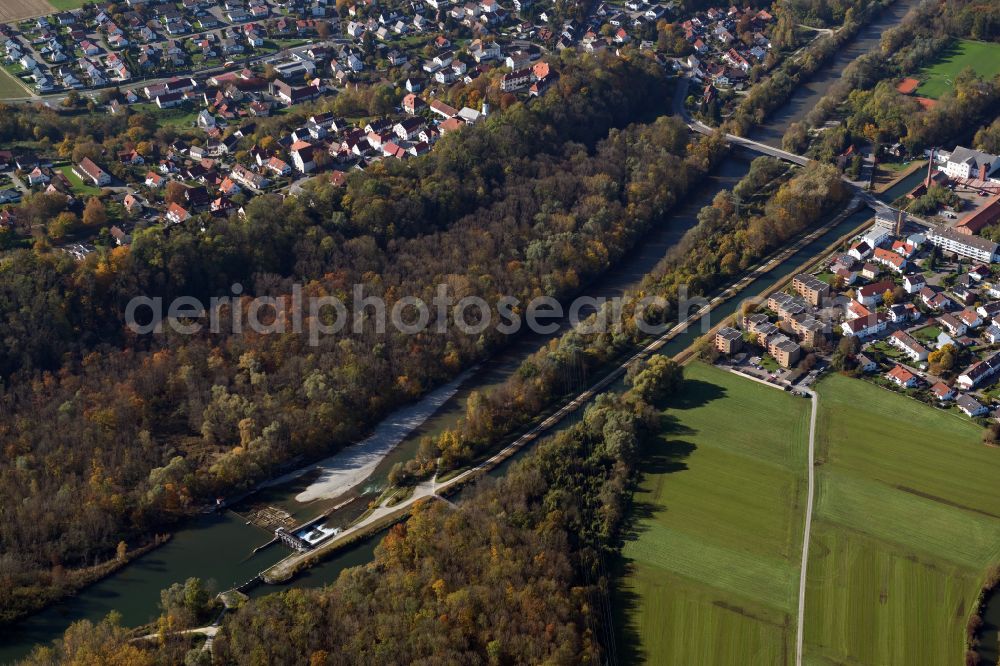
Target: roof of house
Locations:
point(443, 108)
point(908, 341)
point(177, 210)
point(876, 288)
point(968, 404)
point(87, 166)
point(889, 257)
point(728, 333)
point(941, 389)
point(970, 317)
point(901, 374)
point(986, 366)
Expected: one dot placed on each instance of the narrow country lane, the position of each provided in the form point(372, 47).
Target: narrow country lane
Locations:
point(808, 529)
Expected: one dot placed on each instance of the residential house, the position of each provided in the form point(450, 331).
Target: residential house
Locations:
point(970, 406)
point(890, 259)
point(865, 364)
point(811, 288)
point(871, 294)
point(943, 392)
point(248, 178)
point(88, 171)
point(177, 214)
point(914, 283)
point(783, 349)
point(979, 372)
point(974, 247)
point(901, 377)
point(728, 340)
point(860, 250)
point(413, 104)
point(515, 80)
point(956, 327)
point(935, 299)
point(278, 166)
point(154, 180)
point(970, 318)
point(908, 345)
point(303, 157)
point(865, 327)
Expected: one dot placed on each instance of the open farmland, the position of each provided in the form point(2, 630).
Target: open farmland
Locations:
point(983, 57)
point(9, 86)
point(15, 10)
point(907, 521)
point(711, 565)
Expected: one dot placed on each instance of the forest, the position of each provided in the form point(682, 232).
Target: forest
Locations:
point(108, 437)
point(515, 575)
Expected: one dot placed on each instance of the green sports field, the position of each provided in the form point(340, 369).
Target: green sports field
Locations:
point(710, 571)
point(907, 520)
point(983, 57)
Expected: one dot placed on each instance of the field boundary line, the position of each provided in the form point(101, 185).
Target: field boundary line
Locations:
point(799, 629)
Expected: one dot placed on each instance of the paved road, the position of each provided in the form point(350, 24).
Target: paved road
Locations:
point(808, 528)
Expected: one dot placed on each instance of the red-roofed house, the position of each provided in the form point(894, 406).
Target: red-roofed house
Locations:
point(177, 214)
point(412, 104)
point(943, 392)
point(901, 377)
point(890, 259)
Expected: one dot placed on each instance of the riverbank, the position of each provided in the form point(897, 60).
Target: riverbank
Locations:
point(983, 628)
point(73, 581)
point(345, 470)
point(384, 515)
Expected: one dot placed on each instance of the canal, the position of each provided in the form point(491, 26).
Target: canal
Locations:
point(219, 547)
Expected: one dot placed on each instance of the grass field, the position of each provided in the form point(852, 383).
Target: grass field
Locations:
point(710, 570)
point(66, 5)
point(983, 57)
point(907, 521)
point(9, 87)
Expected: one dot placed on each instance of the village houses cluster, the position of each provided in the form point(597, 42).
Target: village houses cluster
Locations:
point(89, 48)
point(922, 300)
point(237, 75)
point(721, 59)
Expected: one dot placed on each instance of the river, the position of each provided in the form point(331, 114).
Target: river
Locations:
point(219, 547)
point(805, 96)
